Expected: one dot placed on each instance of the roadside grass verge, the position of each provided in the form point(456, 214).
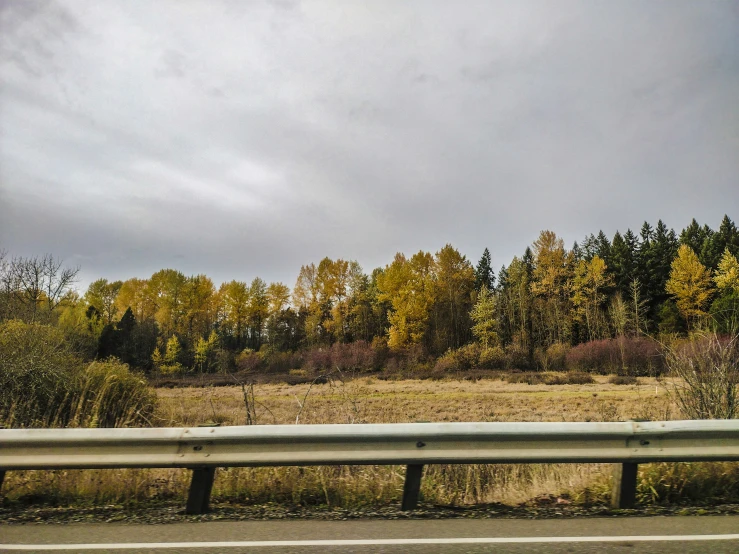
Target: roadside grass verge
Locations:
point(368, 400)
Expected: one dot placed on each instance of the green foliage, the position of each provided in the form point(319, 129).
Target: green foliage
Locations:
point(484, 275)
point(669, 320)
point(725, 312)
point(37, 375)
point(44, 384)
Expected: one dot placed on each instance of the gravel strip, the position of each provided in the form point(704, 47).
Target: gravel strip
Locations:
point(173, 512)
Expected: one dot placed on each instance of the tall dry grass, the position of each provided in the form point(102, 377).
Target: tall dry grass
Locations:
point(369, 400)
point(44, 384)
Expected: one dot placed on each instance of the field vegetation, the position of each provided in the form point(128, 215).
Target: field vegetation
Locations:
point(359, 400)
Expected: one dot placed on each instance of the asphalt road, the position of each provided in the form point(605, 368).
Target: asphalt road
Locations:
point(715, 534)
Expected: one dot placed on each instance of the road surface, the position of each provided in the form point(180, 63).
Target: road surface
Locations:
point(714, 534)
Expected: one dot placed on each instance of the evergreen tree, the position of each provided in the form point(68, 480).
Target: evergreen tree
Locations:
point(622, 264)
point(484, 276)
point(603, 248)
point(577, 252)
point(658, 249)
point(694, 236)
point(727, 237)
point(589, 247)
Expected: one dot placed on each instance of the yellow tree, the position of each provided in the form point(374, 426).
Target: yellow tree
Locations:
point(278, 298)
point(166, 289)
point(306, 300)
point(551, 284)
point(727, 273)
point(234, 301)
point(516, 300)
point(278, 302)
point(690, 284)
point(408, 286)
point(483, 315)
point(200, 306)
point(454, 284)
point(588, 285)
point(258, 310)
point(134, 294)
point(101, 295)
point(333, 282)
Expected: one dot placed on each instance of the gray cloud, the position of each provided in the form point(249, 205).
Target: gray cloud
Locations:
point(247, 138)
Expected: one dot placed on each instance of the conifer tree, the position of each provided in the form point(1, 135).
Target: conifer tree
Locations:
point(484, 276)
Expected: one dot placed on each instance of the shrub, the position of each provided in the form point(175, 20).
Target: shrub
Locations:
point(37, 375)
point(447, 362)
point(623, 380)
point(516, 357)
point(578, 378)
point(622, 356)
point(551, 358)
point(528, 377)
point(492, 358)
point(43, 384)
point(536, 378)
point(707, 369)
point(358, 356)
point(557, 355)
point(247, 360)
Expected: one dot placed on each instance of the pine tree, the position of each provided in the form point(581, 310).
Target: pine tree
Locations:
point(603, 248)
point(692, 236)
point(622, 264)
point(727, 237)
point(589, 247)
point(644, 260)
point(484, 276)
point(576, 252)
point(657, 251)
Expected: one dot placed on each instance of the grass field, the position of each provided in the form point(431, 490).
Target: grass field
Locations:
point(367, 400)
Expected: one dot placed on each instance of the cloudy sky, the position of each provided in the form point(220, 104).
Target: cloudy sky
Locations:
point(244, 138)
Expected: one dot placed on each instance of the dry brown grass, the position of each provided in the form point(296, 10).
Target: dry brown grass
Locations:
point(368, 400)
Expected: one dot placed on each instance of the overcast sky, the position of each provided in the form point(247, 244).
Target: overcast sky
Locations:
point(244, 138)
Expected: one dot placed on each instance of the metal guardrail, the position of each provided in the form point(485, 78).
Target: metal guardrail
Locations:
point(414, 444)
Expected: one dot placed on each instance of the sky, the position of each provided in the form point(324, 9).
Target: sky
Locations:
point(247, 138)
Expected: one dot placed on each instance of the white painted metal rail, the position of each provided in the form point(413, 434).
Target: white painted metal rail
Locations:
point(414, 445)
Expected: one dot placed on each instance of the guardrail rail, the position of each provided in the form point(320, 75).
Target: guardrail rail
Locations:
point(203, 449)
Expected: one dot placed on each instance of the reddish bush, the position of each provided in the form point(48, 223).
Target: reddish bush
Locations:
point(248, 360)
point(355, 356)
point(623, 356)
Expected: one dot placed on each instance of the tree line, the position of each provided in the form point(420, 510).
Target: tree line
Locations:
point(655, 281)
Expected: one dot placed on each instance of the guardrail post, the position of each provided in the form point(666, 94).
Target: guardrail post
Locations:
point(623, 494)
point(2, 478)
point(198, 499)
point(412, 487)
